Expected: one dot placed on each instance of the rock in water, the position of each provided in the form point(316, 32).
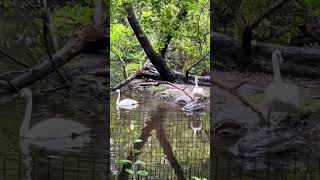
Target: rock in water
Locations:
point(183, 100)
point(193, 106)
point(271, 141)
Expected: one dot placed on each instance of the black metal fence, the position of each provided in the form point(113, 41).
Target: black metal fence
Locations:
point(266, 168)
point(175, 145)
point(31, 167)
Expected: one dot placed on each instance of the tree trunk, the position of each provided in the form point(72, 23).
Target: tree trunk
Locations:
point(247, 32)
point(154, 57)
point(299, 61)
point(78, 42)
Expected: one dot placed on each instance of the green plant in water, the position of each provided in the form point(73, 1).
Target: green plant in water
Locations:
point(135, 163)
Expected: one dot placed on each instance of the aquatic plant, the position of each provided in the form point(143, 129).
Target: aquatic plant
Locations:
point(134, 164)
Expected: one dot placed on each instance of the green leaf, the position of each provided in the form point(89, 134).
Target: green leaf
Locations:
point(196, 178)
point(142, 173)
point(132, 127)
point(134, 151)
point(129, 171)
point(124, 161)
point(139, 162)
point(138, 140)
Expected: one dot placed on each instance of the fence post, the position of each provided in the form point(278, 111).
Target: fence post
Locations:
point(48, 168)
point(19, 166)
point(4, 167)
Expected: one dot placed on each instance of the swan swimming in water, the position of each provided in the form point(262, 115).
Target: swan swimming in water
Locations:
point(280, 96)
point(197, 91)
point(126, 103)
point(50, 128)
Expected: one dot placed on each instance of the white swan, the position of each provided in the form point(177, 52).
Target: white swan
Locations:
point(197, 91)
point(279, 96)
point(195, 126)
point(51, 128)
point(126, 103)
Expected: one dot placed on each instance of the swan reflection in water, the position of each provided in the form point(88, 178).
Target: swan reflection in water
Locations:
point(53, 134)
point(196, 125)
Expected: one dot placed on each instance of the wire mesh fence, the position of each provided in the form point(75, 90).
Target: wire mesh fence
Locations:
point(174, 145)
point(32, 167)
point(266, 168)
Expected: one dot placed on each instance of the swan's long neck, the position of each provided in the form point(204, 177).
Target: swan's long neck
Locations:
point(27, 117)
point(196, 82)
point(276, 70)
point(118, 99)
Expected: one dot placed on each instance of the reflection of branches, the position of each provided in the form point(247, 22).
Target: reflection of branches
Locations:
point(167, 149)
point(155, 124)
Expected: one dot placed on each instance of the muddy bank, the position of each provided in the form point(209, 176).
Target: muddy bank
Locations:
point(167, 93)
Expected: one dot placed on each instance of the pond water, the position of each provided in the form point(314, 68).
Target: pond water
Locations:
point(80, 157)
point(174, 145)
point(37, 155)
point(282, 166)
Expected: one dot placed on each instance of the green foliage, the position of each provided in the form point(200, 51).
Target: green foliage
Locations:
point(72, 17)
point(280, 27)
point(158, 19)
point(136, 164)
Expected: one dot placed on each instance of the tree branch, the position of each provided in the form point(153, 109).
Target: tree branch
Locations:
point(154, 57)
point(241, 98)
point(14, 59)
point(247, 32)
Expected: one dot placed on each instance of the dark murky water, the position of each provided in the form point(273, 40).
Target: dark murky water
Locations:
point(227, 166)
point(34, 154)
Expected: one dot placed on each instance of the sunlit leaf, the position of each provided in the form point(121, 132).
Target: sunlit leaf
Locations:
point(125, 161)
point(142, 173)
point(139, 162)
point(138, 140)
point(129, 171)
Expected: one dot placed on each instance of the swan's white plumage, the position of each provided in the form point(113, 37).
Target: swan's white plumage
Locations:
point(56, 128)
point(126, 103)
point(280, 96)
point(50, 128)
point(197, 92)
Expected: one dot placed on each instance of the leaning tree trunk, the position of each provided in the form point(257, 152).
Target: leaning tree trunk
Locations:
point(300, 61)
point(78, 42)
point(154, 57)
point(246, 36)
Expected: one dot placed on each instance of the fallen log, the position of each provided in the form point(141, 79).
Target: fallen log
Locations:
point(300, 61)
point(78, 42)
point(233, 90)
